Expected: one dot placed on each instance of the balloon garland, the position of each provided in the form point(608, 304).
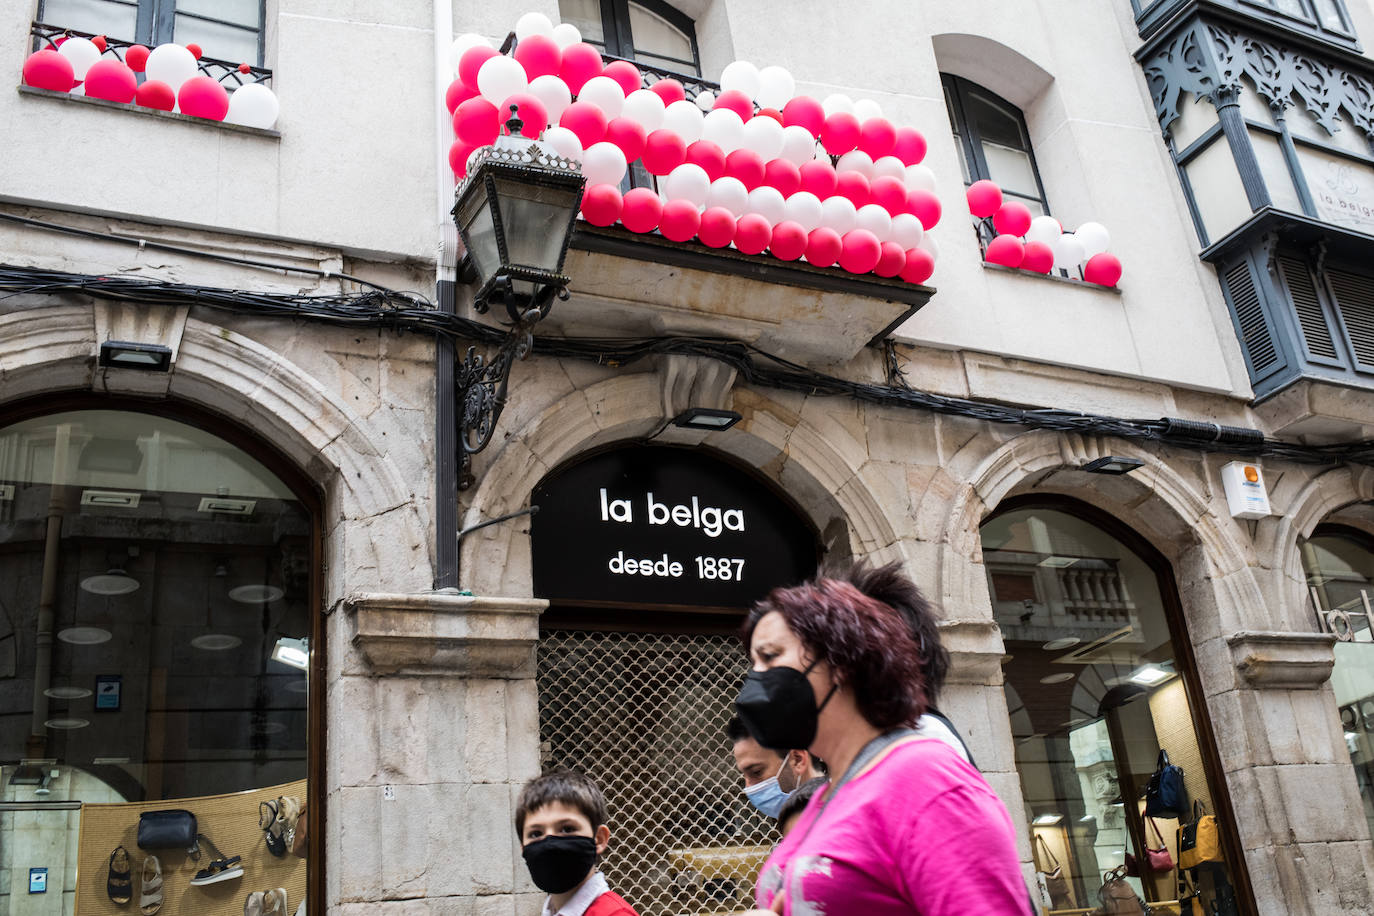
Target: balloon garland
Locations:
point(1039, 243)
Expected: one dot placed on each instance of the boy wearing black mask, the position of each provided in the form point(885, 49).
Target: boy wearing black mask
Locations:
point(561, 821)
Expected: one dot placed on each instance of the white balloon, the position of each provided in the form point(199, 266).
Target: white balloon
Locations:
point(729, 193)
point(645, 107)
point(253, 105)
point(684, 119)
point(776, 87)
point(605, 93)
point(907, 231)
point(170, 64)
point(804, 209)
point(82, 52)
point(533, 24)
point(724, 128)
point(768, 202)
point(764, 136)
point(928, 245)
point(1068, 252)
point(565, 35)
point(552, 93)
point(603, 163)
point(1095, 238)
point(889, 167)
point(741, 75)
point(875, 219)
point(1044, 229)
point(839, 213)
point(705, 100)
point(837, 101)
point(462, 44)
point(864, 109)
point(499, 78)
point(919, 178)
point(689, 182)
point(564, 142)
point(798, 146)
point(856, 160)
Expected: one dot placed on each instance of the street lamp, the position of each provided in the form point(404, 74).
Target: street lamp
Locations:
point(515, 212)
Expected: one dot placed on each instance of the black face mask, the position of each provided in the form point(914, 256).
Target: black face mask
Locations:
point(559, 863)
point(779, 709)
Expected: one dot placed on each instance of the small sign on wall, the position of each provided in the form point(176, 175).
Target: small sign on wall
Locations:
point(38, 880)
point(107, 689)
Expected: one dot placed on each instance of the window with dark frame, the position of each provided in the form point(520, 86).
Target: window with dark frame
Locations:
point(1325, 15)
point(229, 30)
point(646, 31)
point(993, 142)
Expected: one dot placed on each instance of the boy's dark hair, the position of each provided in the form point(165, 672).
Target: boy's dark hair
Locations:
point(735, 730)
point(798, 799)
point(568, 787)
point(890, 584)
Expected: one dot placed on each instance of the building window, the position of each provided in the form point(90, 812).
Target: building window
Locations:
point(994, 142)
point(229, 30)
point(646, 31)
point(1326, 15)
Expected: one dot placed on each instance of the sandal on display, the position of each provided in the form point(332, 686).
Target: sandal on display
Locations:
point(119, 883)
point(274, 902)
point(270, 825)
point(288, 812)
point(253, 905)
point(219, 870)
point(150, 894)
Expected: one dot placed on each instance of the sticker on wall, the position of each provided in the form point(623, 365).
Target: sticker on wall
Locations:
point(38, 880)
point(107, 688)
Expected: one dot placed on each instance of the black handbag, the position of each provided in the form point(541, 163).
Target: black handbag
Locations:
point(1166, 796)
point(171, 829)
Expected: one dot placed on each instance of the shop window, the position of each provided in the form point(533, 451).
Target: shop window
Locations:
point(230, 30)
point(155, 634)
point(1339, 564)
point(993, 142)
point(647, 31)
point(1096, 687)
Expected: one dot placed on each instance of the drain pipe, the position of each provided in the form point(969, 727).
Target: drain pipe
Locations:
point(445, 354)
point(37, 744)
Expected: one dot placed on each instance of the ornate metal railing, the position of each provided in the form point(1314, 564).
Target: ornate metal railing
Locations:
point(228, 73)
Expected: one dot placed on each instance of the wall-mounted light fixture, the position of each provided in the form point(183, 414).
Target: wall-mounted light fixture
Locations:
point(1113, 464)
point(121, 354)
point(292, 652)
point(706, 418)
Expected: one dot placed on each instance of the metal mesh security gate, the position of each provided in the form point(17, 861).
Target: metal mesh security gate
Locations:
point(644, 715)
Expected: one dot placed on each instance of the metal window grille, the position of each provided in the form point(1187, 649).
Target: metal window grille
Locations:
point(644, 715)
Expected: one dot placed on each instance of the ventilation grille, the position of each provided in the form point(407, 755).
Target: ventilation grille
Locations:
point(1308, 307)
point(1355, 300)
point(1254, 327)
point(644, 715)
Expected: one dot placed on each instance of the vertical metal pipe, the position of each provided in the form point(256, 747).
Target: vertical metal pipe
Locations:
point(445, 354)
point(47, 598)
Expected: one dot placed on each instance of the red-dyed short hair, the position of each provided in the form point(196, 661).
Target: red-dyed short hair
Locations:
point(866, 642)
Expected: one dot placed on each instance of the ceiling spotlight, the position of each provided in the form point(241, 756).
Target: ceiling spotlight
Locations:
point(1047, 820)
point(1058, 678)
point(255, 594)
point(84, 636)
point(706, 418)
point(120, 354)
point(64, 724)
point(216, 642)
point(66, 693)
point(1063, 642)
point(1150, 675)
point(114, 582)
point(292, 652)
point(1113, 464)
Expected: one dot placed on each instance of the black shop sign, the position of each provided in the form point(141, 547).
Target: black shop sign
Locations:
point(662, 526)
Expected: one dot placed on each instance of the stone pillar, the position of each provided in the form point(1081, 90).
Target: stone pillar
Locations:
point(433, 726)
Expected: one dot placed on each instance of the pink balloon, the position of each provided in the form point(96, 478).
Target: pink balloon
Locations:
point(47, 69)
point(156, 94)
point(581, 62)
point(585, 120)
point(805, 111)
point(920, 264)
point(473, 59)
point(860, 251)
point(629, 136)
point(663, 152)
point(891, 260)
point(476, 122)
point(747, 166)
point(136, 56)
point(1039, 257)
point(925, 206)
point(818, 177)
point(1012, 218)
point(458, 153)
point(788, 242)
point(840, 133)
point(910, 146)
point(889, 193)
point(624, 73)
point(769, 113)
point(717, 227)
point(709, 156)
point(539, 55)
point(680, 220)
point(823, 246)
point(533, 115)
point(458, 92)
point(783, 175)
point(642, 210)
point(752, 233)
point(1103, 269)
point(669, 90)
point(203, 97)
point(737, 102)
point(602, 204)
point(877, 137)
point(1005, 250)
point(111, 80)
point(855, 187)
point(984, 197)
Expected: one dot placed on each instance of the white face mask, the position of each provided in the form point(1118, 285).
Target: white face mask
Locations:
point(768, 796)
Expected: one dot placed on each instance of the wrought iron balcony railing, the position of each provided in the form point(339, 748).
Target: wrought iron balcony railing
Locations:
point(229, 74)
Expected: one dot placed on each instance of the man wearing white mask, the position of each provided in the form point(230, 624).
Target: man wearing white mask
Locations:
point(769, 777)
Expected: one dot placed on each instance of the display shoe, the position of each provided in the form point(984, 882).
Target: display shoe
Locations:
point(119, 880)
point(150, 893)
point(270, 824)
point(274, 902)
point(253, 905)
point(288, 812)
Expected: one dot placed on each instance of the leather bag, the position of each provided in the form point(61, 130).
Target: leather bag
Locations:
point(1166, 795)
point(170, 829)
point(1117, 898)
point(1056, 883)
point(1200, 840)
point(1157, 859)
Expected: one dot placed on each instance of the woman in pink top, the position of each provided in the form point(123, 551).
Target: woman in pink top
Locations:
point(907, 825)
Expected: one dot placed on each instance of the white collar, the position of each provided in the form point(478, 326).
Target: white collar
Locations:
point(585, 896)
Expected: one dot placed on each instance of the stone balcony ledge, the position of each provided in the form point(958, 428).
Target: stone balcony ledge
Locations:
point(446, 634)
point(1283, 660)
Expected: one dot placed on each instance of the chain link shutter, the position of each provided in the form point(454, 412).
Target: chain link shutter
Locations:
point(644, 715)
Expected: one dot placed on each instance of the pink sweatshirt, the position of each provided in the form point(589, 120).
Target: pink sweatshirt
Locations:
point(919, 832)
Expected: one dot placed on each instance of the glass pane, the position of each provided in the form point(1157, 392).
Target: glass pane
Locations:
point(1012, 169)
point(99, 17)
point(223, 42)
point(586, 15)
point(652, 34)
point(481, 235)
point(686, 67)
point(996, 123)
point(1195, 116)
point(1094, 694)
point(1341, 188)
point(1033, 204)
point(1274, 167)
point(243, 12)
point(1217, 189)
point(1330, 15)
point(536, 222)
